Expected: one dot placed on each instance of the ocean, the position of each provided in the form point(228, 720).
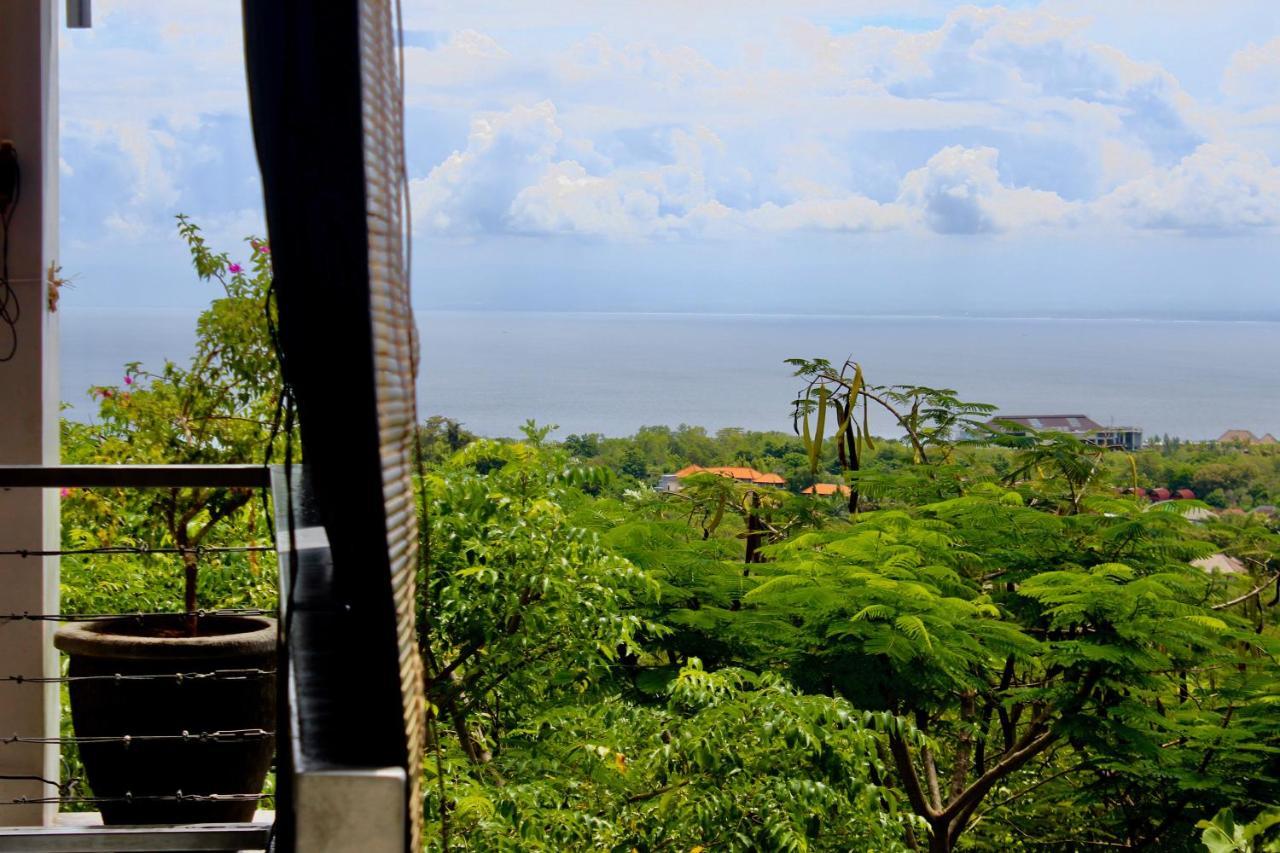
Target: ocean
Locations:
point(612, 373)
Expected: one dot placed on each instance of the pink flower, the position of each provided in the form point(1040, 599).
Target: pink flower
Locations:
point(264, 248)
point(64, 492)
point(128, 380)
point(235, 269)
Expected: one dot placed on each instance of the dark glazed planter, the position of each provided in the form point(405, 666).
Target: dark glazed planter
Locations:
point(142, 768)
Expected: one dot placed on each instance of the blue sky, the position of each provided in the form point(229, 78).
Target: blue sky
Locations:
point(1073, 157)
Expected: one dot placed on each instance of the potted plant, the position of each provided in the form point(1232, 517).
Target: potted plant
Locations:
point(175, 714)
point(187, 721)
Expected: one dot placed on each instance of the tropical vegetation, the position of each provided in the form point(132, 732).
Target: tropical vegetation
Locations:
point(985, 645)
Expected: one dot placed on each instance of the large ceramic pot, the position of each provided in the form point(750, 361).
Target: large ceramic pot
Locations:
point(238, 697)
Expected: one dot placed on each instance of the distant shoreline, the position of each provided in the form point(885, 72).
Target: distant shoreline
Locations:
point(746, 315)
point(612, 372)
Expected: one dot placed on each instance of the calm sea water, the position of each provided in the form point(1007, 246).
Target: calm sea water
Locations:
point(612, 373)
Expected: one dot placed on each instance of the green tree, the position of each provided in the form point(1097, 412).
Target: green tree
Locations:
point(517, 602)
point(223, 407)
point(633, 465)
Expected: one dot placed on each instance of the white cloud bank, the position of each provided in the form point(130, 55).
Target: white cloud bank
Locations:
point(510, 178)
point(665, 121)
point(996, 121)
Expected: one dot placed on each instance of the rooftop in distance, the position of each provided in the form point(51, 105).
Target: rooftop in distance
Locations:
point(1244, 436)
point(1082, 426)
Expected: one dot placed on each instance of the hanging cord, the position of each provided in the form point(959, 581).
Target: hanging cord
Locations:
point(10, 193)
point(284, 402)
point(284, 417)
point(424, 551)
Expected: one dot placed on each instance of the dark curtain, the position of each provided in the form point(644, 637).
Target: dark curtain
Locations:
point(303, 63)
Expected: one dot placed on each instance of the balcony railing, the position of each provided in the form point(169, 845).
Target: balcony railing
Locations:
point(81, 832)
point(325, 801)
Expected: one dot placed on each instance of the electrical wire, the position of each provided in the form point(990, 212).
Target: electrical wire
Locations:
point(10, 310)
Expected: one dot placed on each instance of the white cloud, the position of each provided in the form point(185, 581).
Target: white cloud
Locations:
point(596, 59)
point(513, 176)
point(510, 178)
point(1220, 188)
point(852, 214)
point(473, 188)
point(566, 199)
point(724, 118)
point(1253, 75)
point(959, 192)
point(1039, 70)
point(1120, 162)
point(467, 59)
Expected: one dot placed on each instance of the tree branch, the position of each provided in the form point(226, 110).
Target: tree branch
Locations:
point(1250, 594)
point(910, 781)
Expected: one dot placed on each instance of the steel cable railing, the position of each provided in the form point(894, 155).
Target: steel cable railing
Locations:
point(140, 616)
point(141, 550)
point(68, 791)
point(177, 797)
point(226, 736)
point(179, 677)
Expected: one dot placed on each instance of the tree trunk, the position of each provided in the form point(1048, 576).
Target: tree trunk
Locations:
point(755, 531)
point(191, 569)
point(939, 839)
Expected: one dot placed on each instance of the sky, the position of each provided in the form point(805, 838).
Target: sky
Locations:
point(1062, 157)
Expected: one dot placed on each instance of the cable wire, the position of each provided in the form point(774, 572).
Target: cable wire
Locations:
point(221, 736)
point(141, 617)
point(179, 677)
point(177, 797)
point(142, 550)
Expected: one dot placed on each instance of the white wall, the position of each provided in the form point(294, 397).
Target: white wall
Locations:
point(29, 402)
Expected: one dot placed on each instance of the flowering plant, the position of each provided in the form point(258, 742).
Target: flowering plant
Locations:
point(221, 407)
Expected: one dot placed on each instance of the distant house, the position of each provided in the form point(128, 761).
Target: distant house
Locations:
point(668, 483)
point(827, 489)
point(1220, 564)
point(1160, 494)
point(671, 482)
point(1081, 426)
point(1244, 436)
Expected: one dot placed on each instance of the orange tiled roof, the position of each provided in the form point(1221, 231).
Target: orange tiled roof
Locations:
point(827, 489)
point(737, 472)
point(740, 473)
point(1241, 435)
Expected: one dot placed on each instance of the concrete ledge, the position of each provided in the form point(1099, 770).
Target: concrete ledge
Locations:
point(83, 832)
